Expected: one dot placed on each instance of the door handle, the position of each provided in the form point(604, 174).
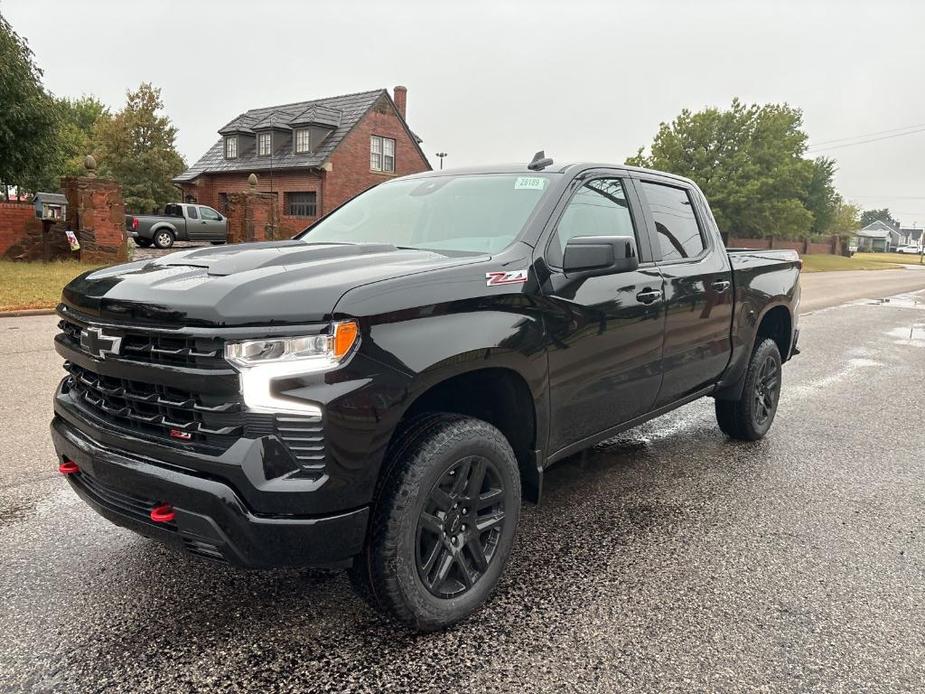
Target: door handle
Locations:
point(647, 296)
point(720, 285)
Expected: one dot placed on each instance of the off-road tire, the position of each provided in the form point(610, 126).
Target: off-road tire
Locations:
point(750, 417)
point(425, 450)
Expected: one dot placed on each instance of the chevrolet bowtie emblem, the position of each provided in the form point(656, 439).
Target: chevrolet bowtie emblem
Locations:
point(98, 343)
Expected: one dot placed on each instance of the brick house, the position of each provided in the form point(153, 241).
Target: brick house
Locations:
point(313, 154)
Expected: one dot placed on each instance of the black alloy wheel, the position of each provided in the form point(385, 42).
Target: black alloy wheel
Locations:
point(749, 417)
point(460, 527)
point(767, 390)
point(442, 521)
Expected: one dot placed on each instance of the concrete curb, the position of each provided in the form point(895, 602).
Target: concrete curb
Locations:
point(27, 312)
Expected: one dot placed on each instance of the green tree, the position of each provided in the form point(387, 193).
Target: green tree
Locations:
point(78, 119)
point(28, 119)
point(137, 148)
point(871, 216)
point(749, 162)
point(846, 220)
point(821, 198)
point(75, 121)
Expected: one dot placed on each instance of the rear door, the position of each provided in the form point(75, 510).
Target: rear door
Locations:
point(194, 225)
point(698, 286)
point(605, 333)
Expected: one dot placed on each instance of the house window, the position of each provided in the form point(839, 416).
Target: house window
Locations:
point(223, 202)
point(301, 204)
point(231, 147)
point(382, 154)
point(263, 144)
point(302, 143)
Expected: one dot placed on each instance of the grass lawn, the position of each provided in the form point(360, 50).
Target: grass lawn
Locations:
point(901, 258)
point(863, 261)
point(35, 285)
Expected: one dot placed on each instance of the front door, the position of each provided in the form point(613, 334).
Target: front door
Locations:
point(213, 224)
point(605, 333)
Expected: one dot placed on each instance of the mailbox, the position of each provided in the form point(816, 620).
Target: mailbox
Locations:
point(50, 206)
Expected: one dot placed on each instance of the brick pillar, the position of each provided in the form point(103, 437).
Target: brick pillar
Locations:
point(252, 216)
point(96, 212)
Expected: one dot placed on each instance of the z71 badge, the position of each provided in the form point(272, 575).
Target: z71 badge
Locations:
point(495, 279)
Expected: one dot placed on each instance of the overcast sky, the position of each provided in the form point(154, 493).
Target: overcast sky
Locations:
point(495, 81)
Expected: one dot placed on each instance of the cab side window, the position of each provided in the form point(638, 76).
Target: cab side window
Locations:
point(191, 212)
point(599, 208)
point(679, 235)
point(210, 214)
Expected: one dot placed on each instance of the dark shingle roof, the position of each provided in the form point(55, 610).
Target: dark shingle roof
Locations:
point(339, 112)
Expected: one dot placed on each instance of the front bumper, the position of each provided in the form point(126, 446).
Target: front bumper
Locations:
point(211, 519)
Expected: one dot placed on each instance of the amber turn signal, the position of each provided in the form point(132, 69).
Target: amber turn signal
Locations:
point(345, 337)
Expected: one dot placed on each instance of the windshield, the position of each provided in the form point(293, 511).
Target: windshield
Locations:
point(480, 213)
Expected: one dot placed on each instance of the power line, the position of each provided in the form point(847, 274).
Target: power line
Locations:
point(820, 148)
point(889, 197)
point(854, 137)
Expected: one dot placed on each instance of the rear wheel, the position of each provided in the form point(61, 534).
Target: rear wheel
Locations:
point(443, 524)
point(163, 238)
point(750, 417)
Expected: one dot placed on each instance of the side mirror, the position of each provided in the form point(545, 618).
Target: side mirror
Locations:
point(591, 256)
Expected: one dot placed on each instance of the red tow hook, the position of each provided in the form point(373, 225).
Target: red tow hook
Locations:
point(68, 467)
point(162, 513)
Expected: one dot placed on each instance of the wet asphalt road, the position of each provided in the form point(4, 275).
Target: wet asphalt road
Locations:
point(669, 559)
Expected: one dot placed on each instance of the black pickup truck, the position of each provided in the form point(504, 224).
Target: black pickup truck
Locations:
point(381, 391)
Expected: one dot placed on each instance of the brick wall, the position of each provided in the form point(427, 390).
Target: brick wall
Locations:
point(351, 174)
point(96, 210)
point(13, 219)
point(805, 247)
point(252, 216)
point(206, 191)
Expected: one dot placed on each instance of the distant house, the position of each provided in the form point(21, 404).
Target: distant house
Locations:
point(314, 154)
point(877, 237)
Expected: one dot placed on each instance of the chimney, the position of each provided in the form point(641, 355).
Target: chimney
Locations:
point(401, 99)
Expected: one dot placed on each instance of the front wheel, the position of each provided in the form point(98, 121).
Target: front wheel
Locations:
point(443, 524)
point(163, 238)
point(750, 417)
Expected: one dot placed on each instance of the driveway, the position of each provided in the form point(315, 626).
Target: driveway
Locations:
point(668, 559)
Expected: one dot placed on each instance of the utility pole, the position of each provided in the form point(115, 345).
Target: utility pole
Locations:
point(441, 155)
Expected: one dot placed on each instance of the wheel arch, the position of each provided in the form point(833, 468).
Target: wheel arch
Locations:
point(500, 395)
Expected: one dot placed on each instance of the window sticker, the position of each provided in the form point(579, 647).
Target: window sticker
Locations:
point(530, 183)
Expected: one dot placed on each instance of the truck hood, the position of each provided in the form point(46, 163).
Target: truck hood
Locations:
point(265, 284)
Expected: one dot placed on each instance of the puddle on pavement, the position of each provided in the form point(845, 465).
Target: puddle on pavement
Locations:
point(912, 335)
point(899, 301)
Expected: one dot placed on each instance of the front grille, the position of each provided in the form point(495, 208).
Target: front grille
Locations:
point(135, 507)
point(304, 437)
point(156, 411)
point(155, 348)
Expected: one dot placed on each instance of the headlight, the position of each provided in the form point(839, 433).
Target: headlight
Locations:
point(260, 362)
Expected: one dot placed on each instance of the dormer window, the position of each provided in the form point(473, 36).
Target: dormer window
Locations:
point(231, 147)
point(263, 144)
point(302, 141)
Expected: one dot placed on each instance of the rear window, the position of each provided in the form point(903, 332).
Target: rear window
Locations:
point(679, 235)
